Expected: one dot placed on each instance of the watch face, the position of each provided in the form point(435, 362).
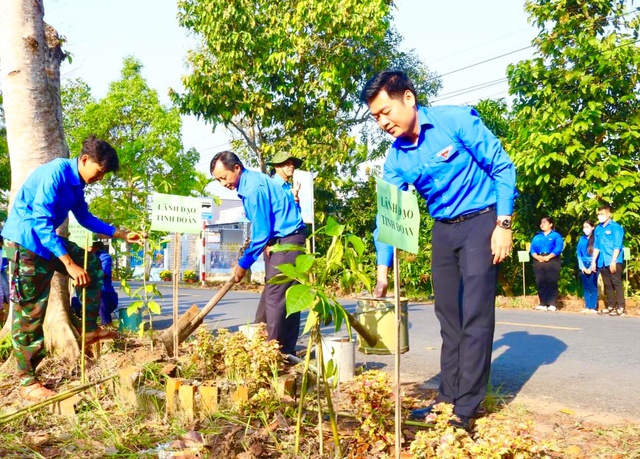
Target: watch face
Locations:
point(506, 224)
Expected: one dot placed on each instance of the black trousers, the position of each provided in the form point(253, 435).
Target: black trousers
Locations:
point(272, 307)
point(613, 292)
point(464, 279)
point(547, 275)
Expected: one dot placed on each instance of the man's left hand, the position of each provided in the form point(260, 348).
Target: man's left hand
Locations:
point(238, 273)
point(501, 240)
point(613, 267)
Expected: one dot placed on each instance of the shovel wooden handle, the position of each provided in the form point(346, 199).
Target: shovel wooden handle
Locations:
point(213, 301)
point(192, 319)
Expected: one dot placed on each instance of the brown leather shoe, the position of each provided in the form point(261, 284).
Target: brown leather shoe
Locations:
point(35, 392)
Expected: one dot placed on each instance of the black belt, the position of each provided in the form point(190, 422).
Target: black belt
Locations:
point(276, 240)
point(465, 217)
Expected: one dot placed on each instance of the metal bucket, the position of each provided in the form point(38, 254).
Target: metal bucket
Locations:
point(342, 351)
point(378, 316)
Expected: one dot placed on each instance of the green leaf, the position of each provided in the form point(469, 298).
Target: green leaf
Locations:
point(279, 279)
point(304, 262)
point(286, 248)
point(126, 287)
point(290, 270)
point(357, 244)
point(300, 297)
point(312, 321)
point(154, 307)
point(333, 228)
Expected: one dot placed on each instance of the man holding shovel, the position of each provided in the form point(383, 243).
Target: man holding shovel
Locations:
point(275, 219)
point(39, 208)
point(460, 168)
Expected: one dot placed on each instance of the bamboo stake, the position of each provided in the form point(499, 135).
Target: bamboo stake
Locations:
point(176, 331)
point(303, 392)
point(84, 313)
point(396, 281)
point(51, 400)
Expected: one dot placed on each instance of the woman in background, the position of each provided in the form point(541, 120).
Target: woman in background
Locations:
point(546, 247)
point(589, 278)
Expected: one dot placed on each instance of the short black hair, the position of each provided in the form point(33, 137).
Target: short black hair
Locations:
point(228, 158)
point(393, 82)
point(101, 153)
point(551, 221)
point(100, 246)
point(606, 207)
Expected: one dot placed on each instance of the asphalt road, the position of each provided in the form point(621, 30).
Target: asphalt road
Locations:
point(590, 363)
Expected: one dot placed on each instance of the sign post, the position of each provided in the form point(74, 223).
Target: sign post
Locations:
point(523, 257)
point(398, 225)
point(627, 256)
point(176, 214)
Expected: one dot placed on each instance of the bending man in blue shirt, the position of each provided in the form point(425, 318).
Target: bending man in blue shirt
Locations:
point(607, 257)
point(275, 219)
point(39, 208)
point(459, 167)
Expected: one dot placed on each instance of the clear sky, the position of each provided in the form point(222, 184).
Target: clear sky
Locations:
point(448, 36)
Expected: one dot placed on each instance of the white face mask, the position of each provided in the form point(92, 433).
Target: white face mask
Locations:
point(587, 231)
point(602, 218)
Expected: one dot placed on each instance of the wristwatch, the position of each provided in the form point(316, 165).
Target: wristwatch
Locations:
point(505, 223)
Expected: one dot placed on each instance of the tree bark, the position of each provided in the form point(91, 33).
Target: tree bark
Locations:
point(30, 56)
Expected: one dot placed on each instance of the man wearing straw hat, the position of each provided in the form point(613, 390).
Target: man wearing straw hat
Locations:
point(275, 219)
point(460, 168)
point(284, 165)
point(41, 205)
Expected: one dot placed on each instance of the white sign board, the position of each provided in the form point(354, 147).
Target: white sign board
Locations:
point(305, 194)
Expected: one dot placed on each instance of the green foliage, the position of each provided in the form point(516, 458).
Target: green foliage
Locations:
point(6, 347)
point(287, 75)
point(144, 297)
point(146, 136)
point(5, 167)
point(495, 438)
point(236, 357)
point(576, 121)
point(313, 292)
point(371, 396)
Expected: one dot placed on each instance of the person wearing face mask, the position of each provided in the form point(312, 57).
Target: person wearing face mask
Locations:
point(589, 277)
point(607, 257)
point(546, 247)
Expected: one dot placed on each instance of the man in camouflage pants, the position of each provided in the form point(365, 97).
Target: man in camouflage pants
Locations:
point(39, 208)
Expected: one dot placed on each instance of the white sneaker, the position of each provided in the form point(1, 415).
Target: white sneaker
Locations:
point(585, 311)
point(541, 308)
point(591, 311)
point(551, 308)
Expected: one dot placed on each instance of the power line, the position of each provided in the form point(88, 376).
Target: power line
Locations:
point(485, 61)
point(480, 86)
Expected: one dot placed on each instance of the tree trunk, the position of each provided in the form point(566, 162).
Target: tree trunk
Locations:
point(31, 54)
